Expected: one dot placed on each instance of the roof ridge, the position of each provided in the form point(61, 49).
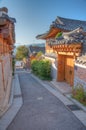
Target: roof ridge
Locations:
point(59, 21)
point(77, 30)
point(58, 17)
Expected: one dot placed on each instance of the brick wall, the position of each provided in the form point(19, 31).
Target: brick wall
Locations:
point(80, 75)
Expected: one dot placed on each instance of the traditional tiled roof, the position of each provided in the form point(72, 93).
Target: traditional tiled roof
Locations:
point(41, 36)
point(4, 16)
point(64, 24)
point(7, 31)
point(68, 24)
point(75, 36)
point(13, 20)
point(36, 49)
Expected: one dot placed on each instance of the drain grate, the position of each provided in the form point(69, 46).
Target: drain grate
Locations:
point(73, 107)
point(17, 96)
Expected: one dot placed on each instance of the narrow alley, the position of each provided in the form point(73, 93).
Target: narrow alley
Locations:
point(41, 110)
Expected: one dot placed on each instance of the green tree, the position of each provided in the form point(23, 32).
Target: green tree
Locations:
point(22, 52)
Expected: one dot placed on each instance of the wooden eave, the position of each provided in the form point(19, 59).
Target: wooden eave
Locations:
point(51, 33)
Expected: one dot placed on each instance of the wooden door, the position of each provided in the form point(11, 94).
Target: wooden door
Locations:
point(69, 70)
point(60, 72)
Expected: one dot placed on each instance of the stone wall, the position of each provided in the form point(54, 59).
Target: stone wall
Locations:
point(80, 75)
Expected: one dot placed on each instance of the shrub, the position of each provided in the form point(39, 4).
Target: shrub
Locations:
point(34, 66)
point(79, 94)
point(42, 68)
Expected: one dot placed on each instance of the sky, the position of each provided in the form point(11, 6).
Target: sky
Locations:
point(35, 16)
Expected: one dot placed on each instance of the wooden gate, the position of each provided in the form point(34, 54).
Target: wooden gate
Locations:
point(66, 69)
point(69, 70)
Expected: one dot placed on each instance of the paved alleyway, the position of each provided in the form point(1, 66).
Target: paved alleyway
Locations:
point(41, 110)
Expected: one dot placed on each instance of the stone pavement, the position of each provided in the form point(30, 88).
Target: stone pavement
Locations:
point(63, 87)
point(63, 92)
point(27, 110)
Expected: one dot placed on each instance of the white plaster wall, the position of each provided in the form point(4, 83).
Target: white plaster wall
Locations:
point(53, 67)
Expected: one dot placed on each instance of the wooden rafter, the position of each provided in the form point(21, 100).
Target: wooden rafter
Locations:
point(68, 48)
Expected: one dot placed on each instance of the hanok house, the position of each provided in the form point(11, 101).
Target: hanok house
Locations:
point(33, 50)
point(7, 40)
point(69, 45)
